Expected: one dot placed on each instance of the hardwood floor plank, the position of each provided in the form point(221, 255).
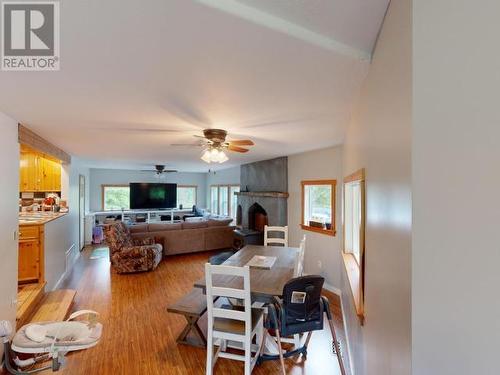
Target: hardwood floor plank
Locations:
point(139, 335)
point(55, 306)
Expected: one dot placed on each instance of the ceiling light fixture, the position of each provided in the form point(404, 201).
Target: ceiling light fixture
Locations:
point(214, 154)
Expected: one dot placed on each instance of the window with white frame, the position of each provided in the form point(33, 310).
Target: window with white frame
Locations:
point(354, 237)
point(186, 196)
point(115, 197)
point(352, 219)
point(223, 200)
point(233, 189)
point(214, 199)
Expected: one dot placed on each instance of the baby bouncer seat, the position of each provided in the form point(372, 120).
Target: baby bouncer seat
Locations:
point(48, 341)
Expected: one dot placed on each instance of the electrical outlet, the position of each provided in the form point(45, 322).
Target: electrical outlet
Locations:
point(320, 264)
point(16, 235)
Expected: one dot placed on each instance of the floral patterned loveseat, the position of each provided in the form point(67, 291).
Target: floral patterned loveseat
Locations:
point(129, 255)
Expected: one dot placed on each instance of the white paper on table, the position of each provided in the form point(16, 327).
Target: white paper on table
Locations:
point(261, 261)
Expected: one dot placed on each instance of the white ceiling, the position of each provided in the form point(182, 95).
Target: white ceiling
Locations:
point(283, 73)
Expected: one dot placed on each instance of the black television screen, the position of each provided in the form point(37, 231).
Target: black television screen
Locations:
point(152, 196)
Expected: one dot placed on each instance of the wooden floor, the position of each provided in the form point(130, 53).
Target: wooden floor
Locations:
point(139, 335)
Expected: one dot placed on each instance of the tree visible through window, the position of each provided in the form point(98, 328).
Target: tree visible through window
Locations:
point(116, 198)
point(186, 196)
point(318, 206)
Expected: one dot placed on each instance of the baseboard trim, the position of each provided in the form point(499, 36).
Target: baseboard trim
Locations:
point(348, 344)
point(329, 287)
point(68, 267)
point(59, 282)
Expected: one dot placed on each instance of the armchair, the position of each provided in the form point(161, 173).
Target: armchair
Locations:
point(129, 256)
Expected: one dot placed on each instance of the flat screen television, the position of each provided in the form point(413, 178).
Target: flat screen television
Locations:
point(152, 196)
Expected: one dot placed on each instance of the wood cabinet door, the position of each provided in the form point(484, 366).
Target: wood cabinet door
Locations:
point(50, 175)
point(29, 260)
point(37, 173)
point(23, 171)
point(54, 175)
point(45, 174)
point(28, 172)
point(57, 176)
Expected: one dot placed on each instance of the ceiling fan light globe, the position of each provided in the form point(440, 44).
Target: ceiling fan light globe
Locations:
point(222, 157)
point(206, 157)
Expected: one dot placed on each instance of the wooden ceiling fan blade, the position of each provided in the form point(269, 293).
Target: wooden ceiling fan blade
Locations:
point(236, 148)
point(242, 142)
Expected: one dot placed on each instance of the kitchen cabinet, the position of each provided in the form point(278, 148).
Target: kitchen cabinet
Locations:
point(50, 175)
point(30, 266)
point(27, 172)
point(38, 173)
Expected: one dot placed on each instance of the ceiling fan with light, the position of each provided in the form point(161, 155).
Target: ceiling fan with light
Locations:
point(215, 144)
point(160, 170)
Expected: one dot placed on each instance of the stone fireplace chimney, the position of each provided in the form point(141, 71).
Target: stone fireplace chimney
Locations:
point(262, 199)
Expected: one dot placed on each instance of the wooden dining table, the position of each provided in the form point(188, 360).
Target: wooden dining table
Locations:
point(264, 283)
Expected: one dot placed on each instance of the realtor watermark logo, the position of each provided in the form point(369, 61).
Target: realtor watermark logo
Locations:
point(30, 35)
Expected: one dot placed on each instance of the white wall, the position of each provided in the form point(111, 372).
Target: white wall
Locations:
point(456, 159)
point(59, 240)
point(316, 165)
point(9, 208)
point(99, 177)
point(70, 181)
point(379, 139)
point(229, 176)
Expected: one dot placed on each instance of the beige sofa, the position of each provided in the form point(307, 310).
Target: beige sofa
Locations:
point(187, 237)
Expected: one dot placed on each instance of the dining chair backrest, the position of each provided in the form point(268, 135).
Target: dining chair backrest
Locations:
point(271, 240)
point(213, 292)
point(298, 269)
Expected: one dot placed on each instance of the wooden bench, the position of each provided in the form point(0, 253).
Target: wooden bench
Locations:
point(193, 305)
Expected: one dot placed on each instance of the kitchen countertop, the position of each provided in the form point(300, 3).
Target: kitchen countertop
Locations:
point(38, 218)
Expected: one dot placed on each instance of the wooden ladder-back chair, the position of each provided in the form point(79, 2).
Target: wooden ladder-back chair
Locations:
point(226, 323)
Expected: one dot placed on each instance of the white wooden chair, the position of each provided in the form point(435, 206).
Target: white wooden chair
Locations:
point(299, 261)
point(269, 241)
point(232, 326)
